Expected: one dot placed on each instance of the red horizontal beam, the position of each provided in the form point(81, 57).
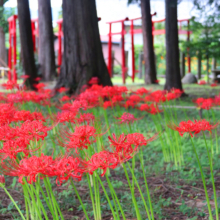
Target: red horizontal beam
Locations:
point(117, 33)
point(110, 22)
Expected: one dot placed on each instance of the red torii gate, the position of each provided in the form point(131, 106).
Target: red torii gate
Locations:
point(12, 56)
point(35, 32)
point(136, 31)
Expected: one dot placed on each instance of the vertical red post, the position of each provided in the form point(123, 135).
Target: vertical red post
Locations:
point(110, 50)
point(188, 58)
point(123, 68)
point(14, 51)
point(59, 57)
point(33, 34)
point(132, 50)
point(9, 52)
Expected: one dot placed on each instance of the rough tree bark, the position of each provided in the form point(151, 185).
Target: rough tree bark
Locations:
point(46, 46)
point(173, 77)
point(82, 57)
point(3, 53)
point(149, 58)
point(26, 41)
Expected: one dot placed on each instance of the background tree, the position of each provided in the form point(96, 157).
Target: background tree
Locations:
point(205, 26)
point(82, 57)
point(28, 61)
point(46, 55)
point(3, 28)
point(173, 77)
point(149, 58)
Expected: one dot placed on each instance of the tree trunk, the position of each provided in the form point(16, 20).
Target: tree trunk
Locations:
point(173, 78)
point(82, 57)
point(3, 52)
point(46, 43)
point(150, 67)
point(26, 42)
point(207, 68)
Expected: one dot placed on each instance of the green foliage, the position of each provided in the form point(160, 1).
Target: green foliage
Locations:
point(5, 13)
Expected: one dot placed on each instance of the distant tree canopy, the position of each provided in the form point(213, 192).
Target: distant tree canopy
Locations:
point(205, 26)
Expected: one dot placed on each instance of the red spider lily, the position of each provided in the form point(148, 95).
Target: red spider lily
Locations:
point(66, 116)
point(152, 108)
point(214, 84)
point(7, 112)
point(7, 132)
point(86, 117)
point(24, 115)
point(102, 160)
point(107, 104)
point(135, 99)
point(44, 166)
point(117, 99)
point(202, 82)
point(157, 81)
point(174, 94)
point(25, 77)
point(12, 147)
point(157, 96)
point(193, 127)
point(127, 118)
point(37, 79)
point(65, 98)
point(2, 179)
point(130, 103)
point(62, 89)
point(9, 85)
point(33, 130)
point(92, 98)
point(39, 86)
point(125, 147)
point(75, 106)
point(66, 167)
point(93, 80)
point(205, 103)
point(81, 138)
point(142, 91)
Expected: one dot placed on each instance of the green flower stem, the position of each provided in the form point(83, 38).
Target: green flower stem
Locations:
point(80, 200)
point(212, 175)
point(9, 195)
point(91, 196)
point(34, 207)
point(56, 206)
point(39, 203)
point(107, 197)
point(203, 180)
point(132, 194)
point(113, 191)
point(27, 202)
point(48, 204)
point(146, 185)
point(145, 205)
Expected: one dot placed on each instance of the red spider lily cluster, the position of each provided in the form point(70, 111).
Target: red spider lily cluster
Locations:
point(208, 103)
point(193, 127)
point(202, 82)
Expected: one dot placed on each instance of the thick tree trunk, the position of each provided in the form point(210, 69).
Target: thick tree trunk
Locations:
point(83, 57)
point(173, 78)
point(26, 41)
point(150, 67)
point(2, 39)
point(46, 45)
